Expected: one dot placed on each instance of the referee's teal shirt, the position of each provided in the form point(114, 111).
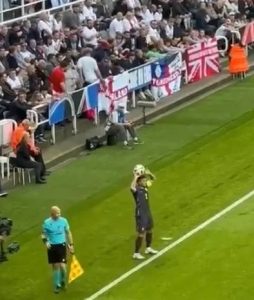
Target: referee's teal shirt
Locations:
point(55, 230)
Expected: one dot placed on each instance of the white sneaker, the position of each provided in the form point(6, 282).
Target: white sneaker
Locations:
point(138, 256)
point(150, 250)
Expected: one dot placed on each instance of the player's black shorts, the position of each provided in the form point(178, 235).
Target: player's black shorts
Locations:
point(144, 225)
point(57, 254)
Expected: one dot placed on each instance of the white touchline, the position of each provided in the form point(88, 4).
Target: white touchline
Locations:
point(170, 246)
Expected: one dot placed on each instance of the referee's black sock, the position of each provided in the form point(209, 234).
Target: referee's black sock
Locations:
point(138, 244)
point(149, 238)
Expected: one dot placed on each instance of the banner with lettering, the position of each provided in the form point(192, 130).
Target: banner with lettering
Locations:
point(202, 60)
point(113, 92)
point(140, 77)
point(166, 76)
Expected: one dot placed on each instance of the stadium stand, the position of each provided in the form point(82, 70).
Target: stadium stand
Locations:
point(76, 43)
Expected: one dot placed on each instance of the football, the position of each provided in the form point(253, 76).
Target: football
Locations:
point(139, 170)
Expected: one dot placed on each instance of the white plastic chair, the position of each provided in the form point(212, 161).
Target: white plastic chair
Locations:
point(21, 175)
point(4, 161)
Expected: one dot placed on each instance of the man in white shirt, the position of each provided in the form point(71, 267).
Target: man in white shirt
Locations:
point(44, 25)
point(90, 34)
point(88, 68)
point(87, 11)
point(27, 56)
point(116, 25)
point(146, 15)
point(153, 36)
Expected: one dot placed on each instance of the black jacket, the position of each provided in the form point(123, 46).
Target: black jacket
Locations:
point(23, 152)
point(18, 110)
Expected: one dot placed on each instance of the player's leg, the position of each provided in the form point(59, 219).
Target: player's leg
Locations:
point(138, 245)
point(57, 256)
point(139, 239)
point(149, 238)
point(63, 275)
point(63, 258)
point(56, 277)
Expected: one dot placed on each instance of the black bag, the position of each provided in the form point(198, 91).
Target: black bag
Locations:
point(93, 143)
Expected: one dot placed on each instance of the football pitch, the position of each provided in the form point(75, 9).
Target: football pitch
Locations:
point(203, 158)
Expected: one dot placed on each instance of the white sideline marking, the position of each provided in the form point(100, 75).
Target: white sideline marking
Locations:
point(170, 246)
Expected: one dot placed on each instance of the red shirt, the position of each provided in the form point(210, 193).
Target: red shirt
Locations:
point(56, 78)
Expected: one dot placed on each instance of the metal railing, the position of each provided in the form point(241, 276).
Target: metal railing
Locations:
point(22, 9)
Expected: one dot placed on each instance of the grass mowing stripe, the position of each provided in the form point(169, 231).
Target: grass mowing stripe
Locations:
point(171, 246)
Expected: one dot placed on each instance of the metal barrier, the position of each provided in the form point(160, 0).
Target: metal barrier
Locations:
point(221, 37)
point(25, 16)
point(138, 78)
point(33, 116)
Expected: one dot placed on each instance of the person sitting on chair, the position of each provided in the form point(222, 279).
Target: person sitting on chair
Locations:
point(118, 126)
point(35, 152)
point(23, 159)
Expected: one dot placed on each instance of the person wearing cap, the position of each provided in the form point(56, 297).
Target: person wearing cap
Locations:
point(57, 237)
point(143, 216)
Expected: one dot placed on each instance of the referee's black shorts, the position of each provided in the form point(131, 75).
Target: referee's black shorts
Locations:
point(57, 254)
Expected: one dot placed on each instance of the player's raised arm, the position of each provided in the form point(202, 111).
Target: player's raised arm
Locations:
point(149, 173)
point(134, 183)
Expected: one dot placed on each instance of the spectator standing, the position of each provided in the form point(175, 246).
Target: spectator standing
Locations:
point(57, 78)
point(116, 25)
point(71, 17)
point(90, 34)
point(88, 12)
point(88, 68)
point(45, 26)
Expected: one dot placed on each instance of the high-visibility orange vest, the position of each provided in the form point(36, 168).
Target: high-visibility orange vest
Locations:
point(238, 62)
point(17, 137)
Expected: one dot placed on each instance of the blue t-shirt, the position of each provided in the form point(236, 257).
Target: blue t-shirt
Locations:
point(55, 230)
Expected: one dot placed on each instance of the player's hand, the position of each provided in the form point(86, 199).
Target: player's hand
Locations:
point(71, 249)
point(48, 245)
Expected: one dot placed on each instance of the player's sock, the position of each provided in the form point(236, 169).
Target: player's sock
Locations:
point(149, 238)
point(56, 278)
point(63, 277)
point(138, 244)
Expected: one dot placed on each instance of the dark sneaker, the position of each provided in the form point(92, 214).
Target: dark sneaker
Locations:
point(41, 181)
point(63, 285)
point(57, 289)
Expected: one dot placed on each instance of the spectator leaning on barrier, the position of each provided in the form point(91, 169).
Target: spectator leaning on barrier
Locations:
point(57, 78)
point(88, 68)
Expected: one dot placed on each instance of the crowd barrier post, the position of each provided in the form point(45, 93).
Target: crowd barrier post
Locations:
point(33, 117)
point(57, 115)
point(221, 37)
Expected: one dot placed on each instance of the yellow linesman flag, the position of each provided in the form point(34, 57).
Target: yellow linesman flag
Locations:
point(75, 269)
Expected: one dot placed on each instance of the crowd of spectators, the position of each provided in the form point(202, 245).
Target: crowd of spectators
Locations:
point(46, 56)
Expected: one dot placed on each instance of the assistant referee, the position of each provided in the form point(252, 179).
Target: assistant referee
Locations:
point(57, 237)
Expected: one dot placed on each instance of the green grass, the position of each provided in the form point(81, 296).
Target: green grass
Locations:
point(202, 157)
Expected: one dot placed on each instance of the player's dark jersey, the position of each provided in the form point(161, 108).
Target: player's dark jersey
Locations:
point(141, 198)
